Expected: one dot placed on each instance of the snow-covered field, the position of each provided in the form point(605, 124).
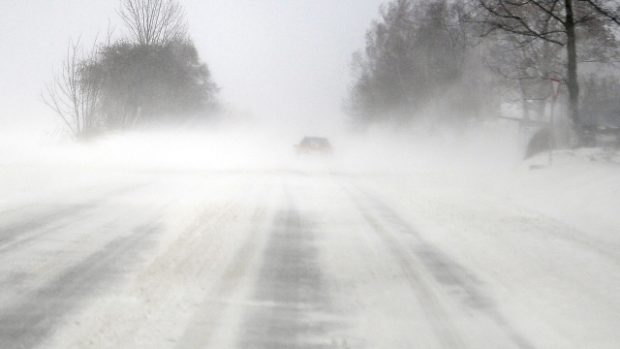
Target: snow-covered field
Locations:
point(197, 246)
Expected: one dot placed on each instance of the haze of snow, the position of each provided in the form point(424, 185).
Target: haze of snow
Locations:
point(533, 244)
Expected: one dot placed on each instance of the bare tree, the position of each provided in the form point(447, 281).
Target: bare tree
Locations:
point(154, 22)
point(605, 8)
point(415, 52)
point(73, 98)
point(554, 21)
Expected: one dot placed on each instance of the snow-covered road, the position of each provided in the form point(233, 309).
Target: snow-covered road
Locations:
point(294, 259)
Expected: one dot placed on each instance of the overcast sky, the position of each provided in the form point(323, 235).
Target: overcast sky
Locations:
point(285, 60)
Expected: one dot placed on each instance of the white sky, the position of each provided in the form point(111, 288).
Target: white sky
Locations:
point(283, 60)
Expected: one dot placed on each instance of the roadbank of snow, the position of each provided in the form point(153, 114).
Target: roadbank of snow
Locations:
point(580, 188)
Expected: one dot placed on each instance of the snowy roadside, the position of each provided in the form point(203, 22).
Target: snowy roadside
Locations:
point(580, 188)
point(544, 243)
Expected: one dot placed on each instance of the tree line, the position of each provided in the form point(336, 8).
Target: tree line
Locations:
point(457, 61)
point(152, 75)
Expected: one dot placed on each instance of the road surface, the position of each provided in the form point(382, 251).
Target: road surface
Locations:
point(287, 259)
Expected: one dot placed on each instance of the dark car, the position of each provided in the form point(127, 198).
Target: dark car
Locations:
point(314, 145)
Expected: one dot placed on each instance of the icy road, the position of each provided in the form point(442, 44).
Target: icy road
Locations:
point(289, 259)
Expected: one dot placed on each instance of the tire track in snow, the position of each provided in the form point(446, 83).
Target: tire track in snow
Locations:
point(167, 287)
point(206, 320)
point(290, 299)
point(26, 324)
point(10, 233)
point(30, 228)
point(445, 331)
point(459, 282)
